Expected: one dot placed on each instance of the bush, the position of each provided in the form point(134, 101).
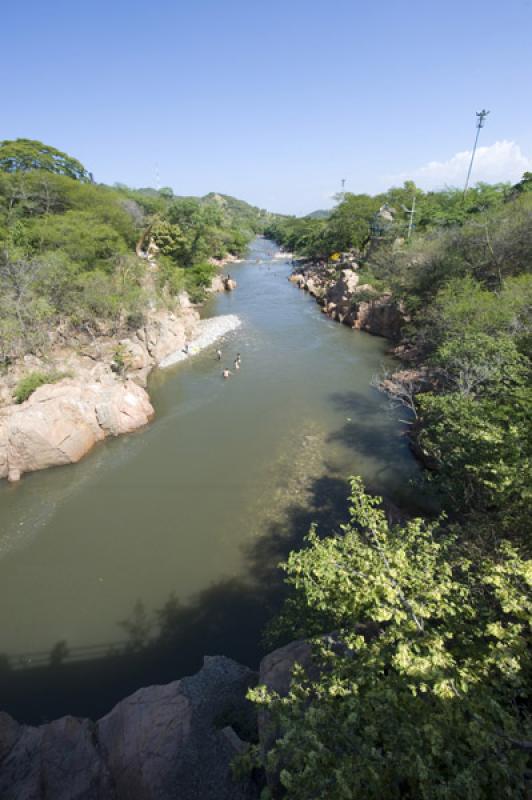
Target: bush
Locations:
point(33, 380)
point(422, 688)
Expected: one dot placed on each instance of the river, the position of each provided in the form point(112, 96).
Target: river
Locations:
point(160, 547)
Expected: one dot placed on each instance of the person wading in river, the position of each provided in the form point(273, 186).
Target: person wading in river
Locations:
point(226, 373)
point(219, 355)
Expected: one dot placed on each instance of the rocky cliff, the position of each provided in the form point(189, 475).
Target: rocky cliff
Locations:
point(161, 743)
point(344, 299)
point(101, 394)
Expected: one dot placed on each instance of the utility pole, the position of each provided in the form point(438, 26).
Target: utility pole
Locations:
point(343, 185)
point(157, 177)
point(481, 116)
point(410, 212)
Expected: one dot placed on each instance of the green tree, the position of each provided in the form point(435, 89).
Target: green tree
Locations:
point(349, 225)
point(21, 155)
point(420, 690)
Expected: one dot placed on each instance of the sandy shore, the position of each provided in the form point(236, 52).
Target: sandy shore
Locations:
point(209, 330)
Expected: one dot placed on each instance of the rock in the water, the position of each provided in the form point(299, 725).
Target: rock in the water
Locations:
point(61, 422)
point(161, 743)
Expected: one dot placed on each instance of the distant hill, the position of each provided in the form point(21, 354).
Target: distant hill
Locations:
point(321, 213)
point(238, 211)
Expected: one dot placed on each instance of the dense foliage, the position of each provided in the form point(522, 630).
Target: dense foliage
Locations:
point(355, 221)
point(23, 155)
point(421, 689)
point(422, 633)
point(465, 279)
point(69, 248)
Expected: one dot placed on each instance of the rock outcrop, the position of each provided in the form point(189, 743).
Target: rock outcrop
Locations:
point(222, 283)
point(161, 743)
point(344, 299)
point(61, 422)
point(102, 393)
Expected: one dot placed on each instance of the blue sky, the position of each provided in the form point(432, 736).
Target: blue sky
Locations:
point(273, 102)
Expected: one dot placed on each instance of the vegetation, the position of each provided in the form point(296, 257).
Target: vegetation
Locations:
point(354, 222)
point(421, 633)
point(23, 155)
point(33, 380)
point(68, 247)
point(465, 279)
point(421, 689)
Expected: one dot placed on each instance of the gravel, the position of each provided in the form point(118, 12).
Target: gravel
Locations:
point(209, 330)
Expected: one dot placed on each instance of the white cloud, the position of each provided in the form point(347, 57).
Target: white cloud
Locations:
point(502, 161)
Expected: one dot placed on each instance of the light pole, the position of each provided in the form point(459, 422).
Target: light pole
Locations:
point(410, 212)
point(481, 116)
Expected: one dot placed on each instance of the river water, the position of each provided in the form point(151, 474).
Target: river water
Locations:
point(160, 547)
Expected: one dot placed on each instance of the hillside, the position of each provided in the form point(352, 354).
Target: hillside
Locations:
point(69, 247)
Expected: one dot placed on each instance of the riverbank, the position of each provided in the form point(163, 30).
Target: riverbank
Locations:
point(344, 298)
point(94, 387)
point(179, 526)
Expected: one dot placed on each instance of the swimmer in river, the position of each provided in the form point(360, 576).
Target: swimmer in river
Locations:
point(226, 373)
point(238, 358)
point(219, 355)
point(237, 363)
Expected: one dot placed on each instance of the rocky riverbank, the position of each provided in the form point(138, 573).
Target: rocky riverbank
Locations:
point(342, 296)
point(163, 742)
point(98, 387)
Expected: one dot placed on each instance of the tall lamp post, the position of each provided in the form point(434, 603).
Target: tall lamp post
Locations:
point(481, 116)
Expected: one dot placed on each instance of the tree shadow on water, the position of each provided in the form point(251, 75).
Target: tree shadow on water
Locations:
point(163, 645)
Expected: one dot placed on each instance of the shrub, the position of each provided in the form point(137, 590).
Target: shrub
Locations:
point(33, 380)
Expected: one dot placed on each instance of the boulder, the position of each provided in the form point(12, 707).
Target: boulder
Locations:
point(276, 668)
point(164, 334)
point(61, 422)
point(136, 355)
point(57, 425)
point(123, 408)
point(161, 743)
point(314, 287)
point(217, 284)
point(383, 316)
point(169, 741)
point(59, 761)
point(340, 291)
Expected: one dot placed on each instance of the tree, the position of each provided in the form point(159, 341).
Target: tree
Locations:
point(420, 691)
point(349, 225)
point(22, 155)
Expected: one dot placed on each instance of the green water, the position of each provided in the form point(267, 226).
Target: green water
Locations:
point(162, 546)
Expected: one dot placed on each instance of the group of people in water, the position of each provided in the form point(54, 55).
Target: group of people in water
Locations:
point(226, 373)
